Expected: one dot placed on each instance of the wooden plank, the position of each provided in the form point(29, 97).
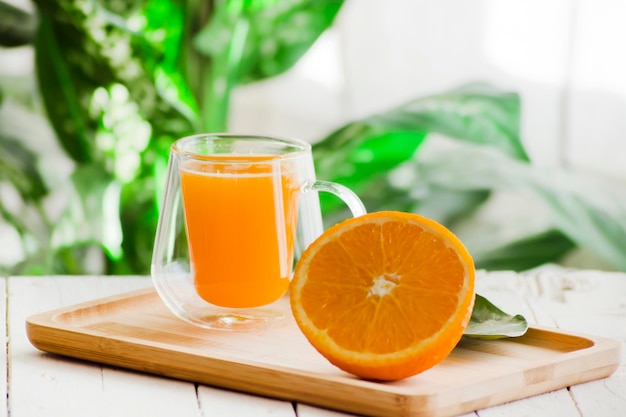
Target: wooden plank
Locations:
point(3, 342)
point(224, 403)
point(556, 403)
point(561, 291)
point(305, 410)
point(591, 302)
point(43, 384)
point(109, 391)
point(135, 330)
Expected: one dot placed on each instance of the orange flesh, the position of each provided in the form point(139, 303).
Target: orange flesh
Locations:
point(384, 296)
point(384, 293)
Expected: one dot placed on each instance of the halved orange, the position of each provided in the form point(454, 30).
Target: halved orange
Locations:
point(384, 296)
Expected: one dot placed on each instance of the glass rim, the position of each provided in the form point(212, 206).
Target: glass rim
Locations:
point(300, 147)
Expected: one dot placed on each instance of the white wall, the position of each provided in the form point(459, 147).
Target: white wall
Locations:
point(565, 57)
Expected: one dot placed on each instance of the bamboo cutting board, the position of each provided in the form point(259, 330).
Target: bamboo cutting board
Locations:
point(135, 330)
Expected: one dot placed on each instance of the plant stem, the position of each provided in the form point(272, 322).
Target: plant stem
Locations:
point(191, 63)
point(225, 73)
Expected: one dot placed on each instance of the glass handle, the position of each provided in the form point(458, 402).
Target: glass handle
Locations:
point(344, 193)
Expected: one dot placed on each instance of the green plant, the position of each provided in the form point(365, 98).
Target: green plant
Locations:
point(121, 80)
point(452, 156)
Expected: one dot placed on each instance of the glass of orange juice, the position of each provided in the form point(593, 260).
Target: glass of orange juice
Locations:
point(236, 211)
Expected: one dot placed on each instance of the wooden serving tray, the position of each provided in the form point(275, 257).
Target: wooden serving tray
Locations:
point(135, 330)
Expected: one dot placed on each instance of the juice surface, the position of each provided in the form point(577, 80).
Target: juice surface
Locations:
point(240, 227)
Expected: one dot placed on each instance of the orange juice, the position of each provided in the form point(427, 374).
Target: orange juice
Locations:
point(241, 221)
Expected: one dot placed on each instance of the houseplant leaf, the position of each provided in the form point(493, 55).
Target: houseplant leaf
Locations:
point(278, 33)
point(114, 95)
point(356, 154)
point(62, 93)
point(17, 27)
point(589, 212)
point(71, 78)
point(248, 41)
point(89, 220)
point(18, 167)
point(525, 253)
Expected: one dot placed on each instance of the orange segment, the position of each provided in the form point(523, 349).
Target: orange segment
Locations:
point(384, 296)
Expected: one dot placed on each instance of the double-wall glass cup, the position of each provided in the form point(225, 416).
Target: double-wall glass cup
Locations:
point(236, 212)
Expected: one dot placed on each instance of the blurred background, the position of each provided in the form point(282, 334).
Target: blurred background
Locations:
point(504, 120)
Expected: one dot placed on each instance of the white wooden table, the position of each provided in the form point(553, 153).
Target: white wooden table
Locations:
point(40, 384)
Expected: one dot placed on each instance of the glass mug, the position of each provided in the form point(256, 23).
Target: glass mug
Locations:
point(236, 211)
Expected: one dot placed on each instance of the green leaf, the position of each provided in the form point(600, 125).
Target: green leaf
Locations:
point(589, 212)
point(450, 183)
point(95, 219)
point(161, 47)
point(76, 62)
point(251, 40)
point(489, 322)
point(62, 93)
point(360, 152)
point(277, 36)
point(476, 113)
point(138, 217)
point(18, 167)
point(72, 260)
point(111, 84)
point(525, 253)
point(17, 27)
point(192, 65)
